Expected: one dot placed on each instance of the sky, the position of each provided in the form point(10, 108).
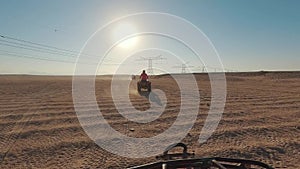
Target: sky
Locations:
point(249, 35)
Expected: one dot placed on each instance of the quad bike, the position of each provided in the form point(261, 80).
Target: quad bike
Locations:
point(145, 85)
point(187, 160)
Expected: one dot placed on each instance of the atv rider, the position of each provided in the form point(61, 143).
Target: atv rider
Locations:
point(144, 77)
point(144, 83)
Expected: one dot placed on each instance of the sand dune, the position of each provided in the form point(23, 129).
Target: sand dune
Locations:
point(39, 127)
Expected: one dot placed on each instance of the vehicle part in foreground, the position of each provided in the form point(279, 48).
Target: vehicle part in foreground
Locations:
point(187, 160)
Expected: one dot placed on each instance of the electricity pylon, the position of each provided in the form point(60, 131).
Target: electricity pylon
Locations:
point(183, 67)
point(150, 62)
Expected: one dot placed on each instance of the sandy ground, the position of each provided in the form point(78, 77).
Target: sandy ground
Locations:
point(39, 127)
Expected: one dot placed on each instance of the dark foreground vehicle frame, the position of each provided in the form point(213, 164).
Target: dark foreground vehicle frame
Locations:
point(188, 161)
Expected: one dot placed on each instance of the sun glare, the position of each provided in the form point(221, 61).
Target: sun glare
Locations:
point(123, 30)
point(128, 43)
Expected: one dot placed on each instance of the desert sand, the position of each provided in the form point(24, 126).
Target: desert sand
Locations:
point(39, 127)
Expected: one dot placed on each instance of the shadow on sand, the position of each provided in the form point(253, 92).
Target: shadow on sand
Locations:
point(152, 97)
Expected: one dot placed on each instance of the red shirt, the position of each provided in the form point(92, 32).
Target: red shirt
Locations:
point(144, 76)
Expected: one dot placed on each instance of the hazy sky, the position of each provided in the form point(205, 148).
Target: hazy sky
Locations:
point(248, 35)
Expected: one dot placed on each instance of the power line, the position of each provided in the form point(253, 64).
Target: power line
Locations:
point(29, 47)
point(39, 45)
point(35, 49)
point(22, 55)
point(41, 48)
point(38, 58)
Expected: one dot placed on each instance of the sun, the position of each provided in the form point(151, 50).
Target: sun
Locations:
point(122, 31)
point(128, 43)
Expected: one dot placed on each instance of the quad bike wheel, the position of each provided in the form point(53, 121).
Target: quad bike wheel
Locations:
point(139, 87)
